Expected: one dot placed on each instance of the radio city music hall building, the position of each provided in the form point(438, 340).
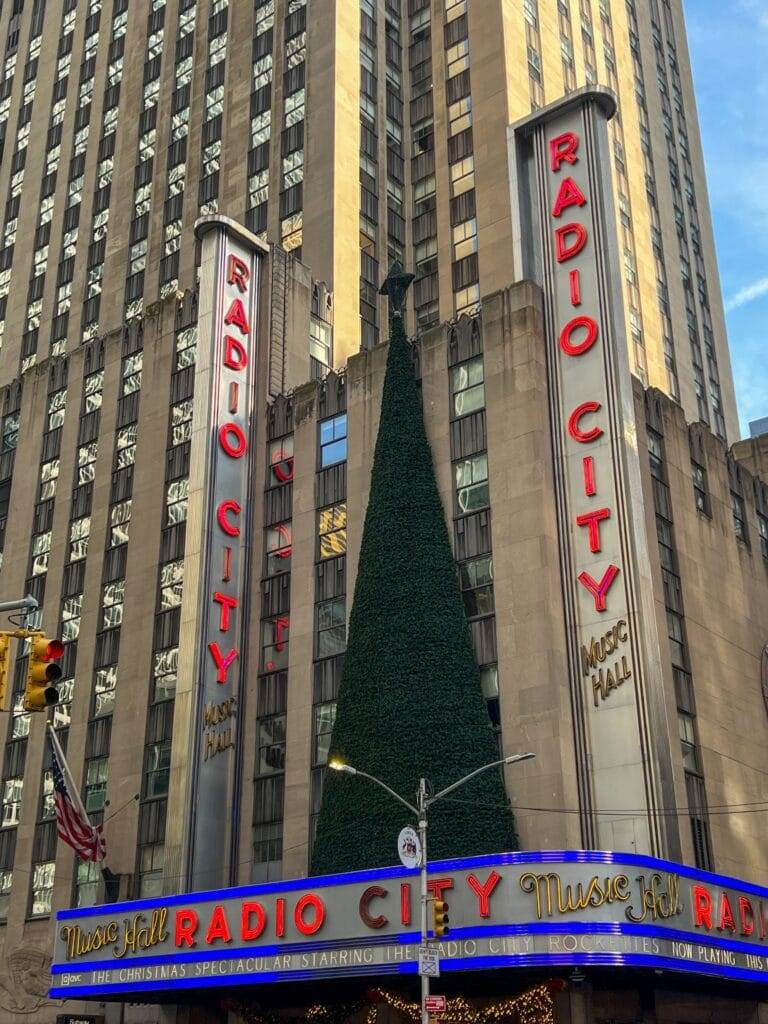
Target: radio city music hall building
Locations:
point(612, 557)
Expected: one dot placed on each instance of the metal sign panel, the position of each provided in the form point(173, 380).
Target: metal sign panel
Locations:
point(214, 605)
point(515, 909)
point(566, 241)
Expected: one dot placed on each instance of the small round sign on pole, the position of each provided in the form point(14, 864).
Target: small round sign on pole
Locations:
point(409, 847)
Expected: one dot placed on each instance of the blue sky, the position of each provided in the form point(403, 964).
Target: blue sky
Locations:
point(728, 42)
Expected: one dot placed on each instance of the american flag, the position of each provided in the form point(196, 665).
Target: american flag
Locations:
point(72, 822)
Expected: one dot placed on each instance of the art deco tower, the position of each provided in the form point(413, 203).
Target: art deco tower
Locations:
point(351, 133)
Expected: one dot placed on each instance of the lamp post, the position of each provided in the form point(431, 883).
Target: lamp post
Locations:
point(423, 803)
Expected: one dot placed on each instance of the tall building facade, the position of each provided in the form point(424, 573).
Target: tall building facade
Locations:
point(351, 133)
point(344, 136)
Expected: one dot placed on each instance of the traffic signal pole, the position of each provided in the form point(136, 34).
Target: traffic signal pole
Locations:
point(27, 604)
point(421, 804)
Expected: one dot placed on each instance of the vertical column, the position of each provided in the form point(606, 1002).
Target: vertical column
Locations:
point(203, 802)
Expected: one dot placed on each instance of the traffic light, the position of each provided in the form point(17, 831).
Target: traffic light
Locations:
point(5, 643)
point(440, 918)
point(42, 673)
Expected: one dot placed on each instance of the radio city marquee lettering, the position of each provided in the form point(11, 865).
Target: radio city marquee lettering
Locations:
point(213, 613)
point(506, 910)
point(566, 240)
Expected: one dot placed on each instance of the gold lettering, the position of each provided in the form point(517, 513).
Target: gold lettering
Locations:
point(552, 897)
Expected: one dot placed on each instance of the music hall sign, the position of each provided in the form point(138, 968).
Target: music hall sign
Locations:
point(506, 910)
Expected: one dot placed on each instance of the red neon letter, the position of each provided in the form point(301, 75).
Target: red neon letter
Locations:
point(219, 926)
point(250, 931)
point(583, 436)
point(237, 272)
point(574, 279)
point(567, 250)
point(483, 891)
point(437, 885)
point(279, 917)
point(309, 927)
point(227, 603)
point(746, 916)
point(222, 661)
point(599, 590)
point(562, 149)
point(221, 517)
point(405, 903)
point(186, 926)
point(702, 907)
point(234, 450)
point(588, 466)
point(282, 622)
point(583, 346)
point(726, 914)
point(593, 520)
point(371, 893)
point(280, 458)
point(235, 356)
point(236, 315)
point(569, 194)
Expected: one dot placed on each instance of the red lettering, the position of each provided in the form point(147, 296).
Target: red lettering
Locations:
point(237, 272)
point(562, 150)
point(228, 603)
point(282, 624)
point(222, 661)
point(279, 917)
point(592, 520)
point(746, 916)
point(371, 893)
point(282, 466)
point(569, 194)
point(219, 926)
point(234, 449)
point(249, 931)
point(236, 315)
point(436, 886)
point(599, 590)
point(702, 906)
point(574, 279)
point(483, 891)
point(583, 346)
point(564, 249)
point(583, 436)
point(221, 517)
point(726, 914)
point(235, 355)
point(588, 466)
point(186, 926)
point(405, 903)
point(317, 905)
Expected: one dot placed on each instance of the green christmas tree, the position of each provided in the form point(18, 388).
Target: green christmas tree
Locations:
point(410, 702)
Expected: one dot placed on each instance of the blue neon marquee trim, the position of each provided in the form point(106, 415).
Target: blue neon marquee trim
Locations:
point(457, 934)
point(475, 963)
point(455, 864)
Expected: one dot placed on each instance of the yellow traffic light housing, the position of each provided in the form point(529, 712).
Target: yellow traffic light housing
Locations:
point(42, 673)
point(5, 647)
point(440, 918)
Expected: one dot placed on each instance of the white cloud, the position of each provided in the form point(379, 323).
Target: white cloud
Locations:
point(747, 294)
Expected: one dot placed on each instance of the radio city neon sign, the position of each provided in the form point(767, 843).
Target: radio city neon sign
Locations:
point(233, 444)
point(577, 337)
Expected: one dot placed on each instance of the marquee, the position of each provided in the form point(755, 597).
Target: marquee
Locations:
point(545, 909)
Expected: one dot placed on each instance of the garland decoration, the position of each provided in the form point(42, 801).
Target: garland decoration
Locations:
point(534, 1006)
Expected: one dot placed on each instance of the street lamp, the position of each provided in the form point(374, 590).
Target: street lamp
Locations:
point(423, 803)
